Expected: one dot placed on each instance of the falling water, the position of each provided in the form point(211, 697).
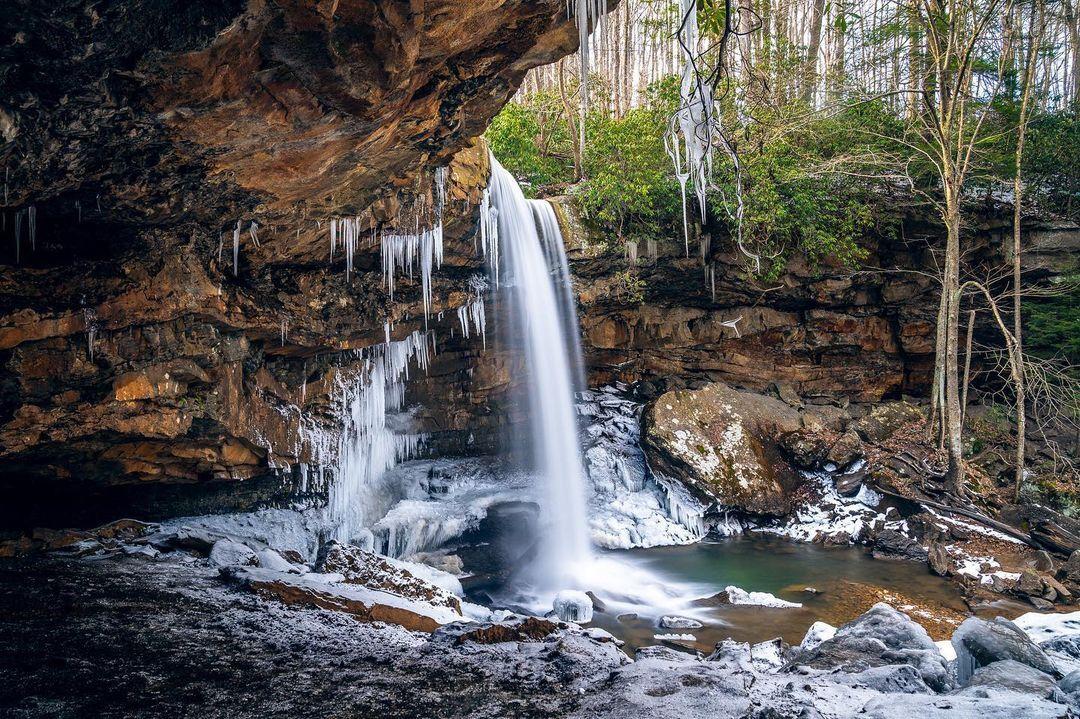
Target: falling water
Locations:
point(542, 318)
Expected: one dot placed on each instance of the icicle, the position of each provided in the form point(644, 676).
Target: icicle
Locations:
point(31, 215)
point(90, 322)
point(18, 232)
point(441, 174)
point(284, 330)
point(236, 250)
point(651, 249)
point(78, 212)
point(403, 252)
point(472, 315)
point(489, 234)
point(253, 229)
point(631, 252)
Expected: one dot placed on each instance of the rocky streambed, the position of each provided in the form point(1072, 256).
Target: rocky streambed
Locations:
point(133, 630)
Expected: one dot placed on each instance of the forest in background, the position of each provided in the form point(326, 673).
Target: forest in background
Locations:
point(838, 119)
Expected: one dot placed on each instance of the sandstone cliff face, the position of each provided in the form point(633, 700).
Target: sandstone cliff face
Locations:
point(139, 374)
point(822, 334)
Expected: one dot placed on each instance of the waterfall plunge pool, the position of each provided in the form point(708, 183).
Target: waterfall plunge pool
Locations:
point(832, 584)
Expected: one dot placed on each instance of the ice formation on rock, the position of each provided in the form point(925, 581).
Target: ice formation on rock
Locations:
point(832, 515)
point(489, 235)
point(420, 251)
point(236, 250)
point(346, 231)
point(371, 441)
point(629, 506)
point(573, 606)
point(91, 323)
point(472, 316)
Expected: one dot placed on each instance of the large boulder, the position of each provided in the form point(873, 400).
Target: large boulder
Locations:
point(885, 420)
point(359, 566)
point(1013, 676)
point(723, 445)
point(890, 544)
point(880, 637)
point(1071, 569)
point(979, 643)
point(230, 553)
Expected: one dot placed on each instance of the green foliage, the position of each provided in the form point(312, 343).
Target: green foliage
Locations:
point(795, 201)
point(1053, 324)
point(630, 287)
point(532, 141)
point(630, 187)
point(1052, 162)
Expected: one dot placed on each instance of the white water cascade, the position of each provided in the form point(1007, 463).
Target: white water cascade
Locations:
point(536, 312)
point(540, 314)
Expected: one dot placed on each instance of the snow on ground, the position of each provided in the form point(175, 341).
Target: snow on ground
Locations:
point(833, 515)
point(1057, 634)
point(1043, 627)
point(975, 527)
point(334, 584)
point(675, 637)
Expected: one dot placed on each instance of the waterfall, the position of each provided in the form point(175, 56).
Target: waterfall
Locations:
point(539, 314)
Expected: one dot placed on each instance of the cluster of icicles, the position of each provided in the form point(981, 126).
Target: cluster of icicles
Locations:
point(374, 437)
point(353, 459)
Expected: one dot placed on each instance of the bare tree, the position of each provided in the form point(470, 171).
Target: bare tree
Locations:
point(1035, 31)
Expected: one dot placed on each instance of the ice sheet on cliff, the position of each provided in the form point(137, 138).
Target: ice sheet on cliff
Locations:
point(628, 505)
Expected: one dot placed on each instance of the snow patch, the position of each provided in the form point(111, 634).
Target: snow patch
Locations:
point(759, 599)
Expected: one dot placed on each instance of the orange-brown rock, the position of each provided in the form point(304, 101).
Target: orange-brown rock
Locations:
point(530, 629)
point(141, 373)
point(301, 595)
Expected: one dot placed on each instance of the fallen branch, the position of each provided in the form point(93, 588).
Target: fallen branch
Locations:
point(980, 518)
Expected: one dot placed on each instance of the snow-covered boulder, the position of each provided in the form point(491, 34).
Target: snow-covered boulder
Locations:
point(737, 595)
point(816, 634)
point(1013, 676)
point(230, 553)
point(880, 637)
point(325, 591)
point(411, 581)
point(573, 606)
point(722, 444)
point(979, 643)
point(269, 559)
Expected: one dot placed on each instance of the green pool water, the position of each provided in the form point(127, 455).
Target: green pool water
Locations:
point(846, 580)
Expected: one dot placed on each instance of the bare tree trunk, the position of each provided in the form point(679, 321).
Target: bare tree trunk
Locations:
point(967, 366)
point(1072, 27)
point(1034, 38)
point(915, 69)
point(571, 119)
point(839, 49)
point(951, 287)
point(812, 49)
